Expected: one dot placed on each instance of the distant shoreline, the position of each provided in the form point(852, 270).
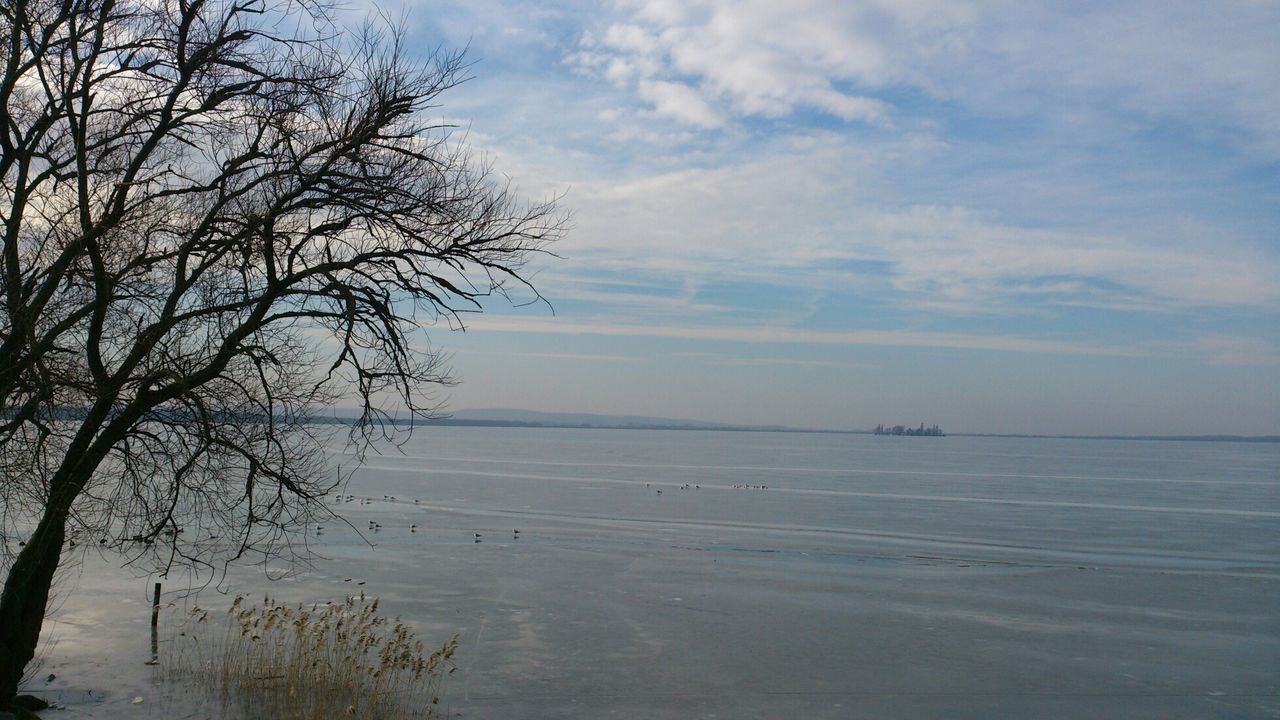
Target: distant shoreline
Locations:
point(452, 422)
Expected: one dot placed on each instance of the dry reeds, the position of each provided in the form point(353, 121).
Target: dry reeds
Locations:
point(332, 660)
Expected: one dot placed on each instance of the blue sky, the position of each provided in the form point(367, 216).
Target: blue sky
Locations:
point(996, 216)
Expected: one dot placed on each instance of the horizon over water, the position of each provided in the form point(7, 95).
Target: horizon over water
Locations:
point(670, 574)
point(519, 417)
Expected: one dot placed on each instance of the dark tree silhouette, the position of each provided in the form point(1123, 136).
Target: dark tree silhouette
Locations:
point(217, 215)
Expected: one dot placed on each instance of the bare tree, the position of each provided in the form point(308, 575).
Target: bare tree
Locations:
point(217, 215)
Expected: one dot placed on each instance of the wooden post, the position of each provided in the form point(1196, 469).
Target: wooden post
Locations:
point(155, 622)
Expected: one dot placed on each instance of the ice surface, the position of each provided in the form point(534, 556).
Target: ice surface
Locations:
point(874, 577)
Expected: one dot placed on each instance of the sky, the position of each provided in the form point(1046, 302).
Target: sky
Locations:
point(1039, 217)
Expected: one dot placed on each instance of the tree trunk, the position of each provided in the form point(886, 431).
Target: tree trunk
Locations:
point(25, 597)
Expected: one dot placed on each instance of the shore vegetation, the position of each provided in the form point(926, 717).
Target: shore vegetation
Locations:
point(292, 662)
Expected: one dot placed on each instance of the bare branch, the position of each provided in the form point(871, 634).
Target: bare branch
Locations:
point(212, 226)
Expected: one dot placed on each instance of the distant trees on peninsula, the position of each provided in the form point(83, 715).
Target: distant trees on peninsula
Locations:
point(933, 431)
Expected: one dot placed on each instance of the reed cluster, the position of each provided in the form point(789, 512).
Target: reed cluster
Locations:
point(294, 663)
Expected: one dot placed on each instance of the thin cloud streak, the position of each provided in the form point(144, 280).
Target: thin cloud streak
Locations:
point(733, 361)
point(583, 357)
point(782, 335)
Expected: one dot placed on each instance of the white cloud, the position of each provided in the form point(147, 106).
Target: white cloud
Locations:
point(1204, 65)
point(851, 108)
point(679, 102)
point(761, 57)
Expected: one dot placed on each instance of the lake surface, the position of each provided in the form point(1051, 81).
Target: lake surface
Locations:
point(667, 574)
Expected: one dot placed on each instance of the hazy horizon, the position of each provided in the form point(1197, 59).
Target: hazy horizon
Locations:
point(1032, 217)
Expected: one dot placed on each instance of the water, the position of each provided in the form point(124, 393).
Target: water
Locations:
point(763, 575)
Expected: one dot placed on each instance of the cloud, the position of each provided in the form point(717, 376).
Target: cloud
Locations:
point(720, 360)
point(755, 57)
point(955, 254)
point(582, 357)
point(680, 102)
point(1204, 66)
point(658, 300)
point(789, 335)
point(811, 218)
point(1037, 163)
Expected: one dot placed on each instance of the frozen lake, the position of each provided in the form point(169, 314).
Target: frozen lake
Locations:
point(665, 574)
